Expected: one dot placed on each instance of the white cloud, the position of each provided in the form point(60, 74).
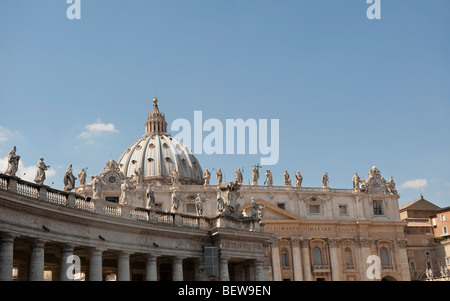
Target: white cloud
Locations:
point(96, 129)
point(416, 184)
point(4, 134)
point(26, 173)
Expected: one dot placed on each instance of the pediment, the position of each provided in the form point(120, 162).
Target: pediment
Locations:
point(271, 212)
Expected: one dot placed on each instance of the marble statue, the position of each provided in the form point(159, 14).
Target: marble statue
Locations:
point(150, 194)
point(287, 180)
point(256, 209)
point(124, 189)
point(220, 203)
point(239, 177)
point(356, 181)
point(206, 176)
point(199, 205)
point(69, 179)
point(391, 186)
point(325, 180)
point(13, 163)
point(219, 176)
point(40, 172)
point(82, 177)
point(138, 176)
point(175, 177)
point(175, 202)
point(255, 175)
point(298, 179)
point(269, 178)
point(97, 190)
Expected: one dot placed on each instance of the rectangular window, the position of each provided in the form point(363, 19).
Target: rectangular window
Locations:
point(413, 266)
point(444, 231)
point(378, 208)
point(314, 209)
point(284, 260)
point(343, 209)
point(281, 205)
point(433, 221)
point(190, 208)
point(442, 217)
point(112, 199)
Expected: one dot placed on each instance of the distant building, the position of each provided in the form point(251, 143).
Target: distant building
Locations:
point(428, 248)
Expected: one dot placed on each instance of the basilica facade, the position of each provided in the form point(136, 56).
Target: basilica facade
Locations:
point(155, 214)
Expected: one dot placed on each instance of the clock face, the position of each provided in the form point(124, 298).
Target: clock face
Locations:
point(375, 185)
point(111, 178)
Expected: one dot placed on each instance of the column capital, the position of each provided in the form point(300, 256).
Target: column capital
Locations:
point(7, 237)
point(124, 253)
point(152, 257)
point(178, 259)
point(96, 250)
point(67, 247)
point(364, 241)
point(333, 242)
point(304, 242)
point(296, 241)
point(38, 243)
point(402, 242)
point(224, 258)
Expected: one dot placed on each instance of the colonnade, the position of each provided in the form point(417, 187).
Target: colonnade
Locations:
point(94, 258)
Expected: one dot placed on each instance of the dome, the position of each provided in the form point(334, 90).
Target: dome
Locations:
point(156, 155)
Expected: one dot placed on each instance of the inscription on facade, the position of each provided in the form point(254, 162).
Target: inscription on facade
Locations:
point(313, 228)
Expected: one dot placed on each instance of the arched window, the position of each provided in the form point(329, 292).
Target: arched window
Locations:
point(348, 257)
point(384, 256)
point(317, 256)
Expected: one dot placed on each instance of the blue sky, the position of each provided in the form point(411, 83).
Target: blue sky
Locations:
point(349, 92)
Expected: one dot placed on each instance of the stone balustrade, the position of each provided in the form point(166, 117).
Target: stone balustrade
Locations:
point(76, 201)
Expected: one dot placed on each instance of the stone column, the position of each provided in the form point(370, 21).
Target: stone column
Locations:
point(306, 259)
point(151, 270)
point(364, 243)
point(36, 270)
point(199, 269)
point(6, 257)
point(297, 263)
point(259, 270)
point(66, 251)
point(177, 269)
point(123, 267)
point(403, 259)
point(276, 264)
point(335, 270)
point(95, 265)
point(223, 266)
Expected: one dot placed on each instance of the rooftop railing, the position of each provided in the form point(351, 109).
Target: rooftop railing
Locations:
point(78, 202)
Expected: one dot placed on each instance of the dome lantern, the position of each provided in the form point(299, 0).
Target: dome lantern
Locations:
point(156, 121)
